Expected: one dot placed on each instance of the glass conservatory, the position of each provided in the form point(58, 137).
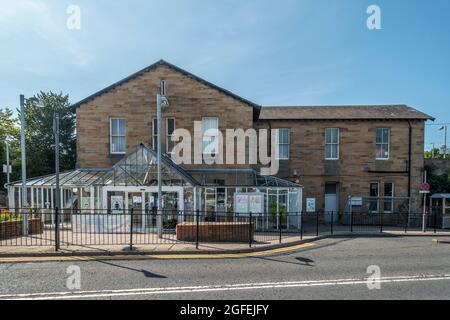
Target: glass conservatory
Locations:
point(132, 183)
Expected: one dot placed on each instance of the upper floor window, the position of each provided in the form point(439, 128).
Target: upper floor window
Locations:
point(284, 143)
point(332, 143)
point(210, 132)
point(383, 143)
point(170, 129)
point(117, 136)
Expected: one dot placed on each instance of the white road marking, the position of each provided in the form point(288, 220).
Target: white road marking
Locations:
point(212, 288)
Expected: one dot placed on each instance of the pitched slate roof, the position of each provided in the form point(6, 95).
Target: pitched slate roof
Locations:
point(391, 112)
point(173, 67)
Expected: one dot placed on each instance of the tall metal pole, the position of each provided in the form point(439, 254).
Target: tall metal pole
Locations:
point(445, 143)
point(424, 213)
point(158, 151)
point(57, 191)
point(24, 166)
point(8, 172)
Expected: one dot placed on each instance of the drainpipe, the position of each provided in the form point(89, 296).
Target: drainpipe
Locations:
point(409, 159)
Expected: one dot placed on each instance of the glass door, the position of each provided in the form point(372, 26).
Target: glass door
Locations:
point(135, 202)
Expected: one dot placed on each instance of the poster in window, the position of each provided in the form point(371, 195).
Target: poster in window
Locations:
point(241, 203)
point(256, 203)
point(116, 204)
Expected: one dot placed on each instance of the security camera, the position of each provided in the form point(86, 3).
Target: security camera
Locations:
point(164, 102)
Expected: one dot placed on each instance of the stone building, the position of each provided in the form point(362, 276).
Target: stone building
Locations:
point(327, 153)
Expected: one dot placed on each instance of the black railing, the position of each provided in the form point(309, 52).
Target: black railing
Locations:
point(147, 227)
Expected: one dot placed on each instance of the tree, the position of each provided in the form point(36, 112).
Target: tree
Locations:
point(40, 138)
point(434, 154)
point(440, 183)
point(9, 129)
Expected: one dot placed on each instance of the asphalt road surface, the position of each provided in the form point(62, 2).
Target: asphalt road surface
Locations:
point(410, 268)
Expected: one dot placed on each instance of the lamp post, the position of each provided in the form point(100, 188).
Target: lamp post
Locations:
point(57, 191)
point(444, 128)
point(161, 101)
point(24, 162)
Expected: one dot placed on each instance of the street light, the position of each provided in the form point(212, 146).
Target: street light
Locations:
point(161, 102)
point(444, 128)
point(35, 101)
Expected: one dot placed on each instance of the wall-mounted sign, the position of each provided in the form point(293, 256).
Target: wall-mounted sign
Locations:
point(244, 203)
point(256, 202)
point(240, 203)
point(311, 205)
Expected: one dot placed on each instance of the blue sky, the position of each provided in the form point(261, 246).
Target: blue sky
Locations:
point(286, 52)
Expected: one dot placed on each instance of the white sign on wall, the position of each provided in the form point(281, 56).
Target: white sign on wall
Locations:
point(256, 202)
point(244, 203)
point(240, 203)
point(311, 205)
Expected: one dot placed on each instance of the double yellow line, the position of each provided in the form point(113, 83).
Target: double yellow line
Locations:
point(156, 257)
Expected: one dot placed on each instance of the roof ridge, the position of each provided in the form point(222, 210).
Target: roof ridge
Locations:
point(172, 66)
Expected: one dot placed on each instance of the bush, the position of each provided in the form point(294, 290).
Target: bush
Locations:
point(8, 216)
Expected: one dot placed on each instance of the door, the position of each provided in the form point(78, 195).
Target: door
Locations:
point(135, 202)
point(331, 202)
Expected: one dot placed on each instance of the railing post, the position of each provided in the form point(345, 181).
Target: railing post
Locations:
point(197, 222)
point(381, 222)
point(250, 236)
point(351, 221)
point(332, 221)
point(279, 229)
point(406, 222)
point(57, 243)
point(131, 229)
point(301, 225)
point(317, 223)
point(435, 222)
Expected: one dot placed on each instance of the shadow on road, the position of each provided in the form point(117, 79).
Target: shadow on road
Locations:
point(146, 273)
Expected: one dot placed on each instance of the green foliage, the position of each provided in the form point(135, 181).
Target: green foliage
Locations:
point(440, 183)
point(7, 216)
point(434, 154)
point(40, 138)
point(9, 129)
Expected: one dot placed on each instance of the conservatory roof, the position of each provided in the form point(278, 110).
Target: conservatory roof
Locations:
point(74, 178)
point(239, 178)
point(139, 168)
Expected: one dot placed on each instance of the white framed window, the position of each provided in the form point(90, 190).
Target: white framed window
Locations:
point(284, 143)
point(117, 136)
point(388, 206)
point(383, 143)
point(170, 129)
point(374, 202)
point(155, 133)
point(210, 134)
point(332, 144)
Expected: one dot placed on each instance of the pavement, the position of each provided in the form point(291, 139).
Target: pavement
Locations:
point(334, 268)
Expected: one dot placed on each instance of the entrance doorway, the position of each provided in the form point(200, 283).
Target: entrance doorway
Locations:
point(331, 201)
point(144, 202)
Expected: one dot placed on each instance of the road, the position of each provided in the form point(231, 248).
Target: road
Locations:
point(411, 268)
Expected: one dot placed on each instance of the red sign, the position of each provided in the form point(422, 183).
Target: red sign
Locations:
point(425, 187)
